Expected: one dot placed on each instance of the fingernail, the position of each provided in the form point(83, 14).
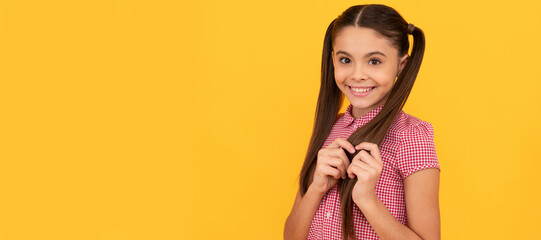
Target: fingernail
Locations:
point(352, 150)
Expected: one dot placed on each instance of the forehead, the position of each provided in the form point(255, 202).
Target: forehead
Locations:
point(362, 40)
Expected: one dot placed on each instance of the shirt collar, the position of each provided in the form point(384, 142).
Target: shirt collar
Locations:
point(350, 120)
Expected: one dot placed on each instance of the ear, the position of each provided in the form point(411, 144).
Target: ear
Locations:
point(403, 62)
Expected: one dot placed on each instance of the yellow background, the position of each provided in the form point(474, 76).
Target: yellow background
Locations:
point(190, 120)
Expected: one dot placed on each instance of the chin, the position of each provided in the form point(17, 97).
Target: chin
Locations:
point(364, 103)
point(361, 105)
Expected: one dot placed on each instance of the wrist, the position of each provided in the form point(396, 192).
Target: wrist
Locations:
point(367, 202)
point(315, 191)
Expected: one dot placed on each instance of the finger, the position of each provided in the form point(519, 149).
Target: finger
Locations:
point(339, 163)
point(340, 142)
point(374, 150)
point(363, 172)
point(365, 158)
point(367, 167)
point(335, 163)
point(356, 171)
point(330, 171)
point(339, 153)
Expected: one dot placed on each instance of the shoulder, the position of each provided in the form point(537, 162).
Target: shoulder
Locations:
point(408, 127)
point(415, 147)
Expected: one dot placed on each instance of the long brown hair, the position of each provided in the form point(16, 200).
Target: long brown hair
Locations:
point(390, 24)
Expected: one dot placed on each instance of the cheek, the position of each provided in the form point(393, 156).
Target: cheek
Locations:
point(385, 78)
point(340, 74)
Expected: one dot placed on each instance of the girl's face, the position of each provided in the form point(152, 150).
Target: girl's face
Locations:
point(366, 65)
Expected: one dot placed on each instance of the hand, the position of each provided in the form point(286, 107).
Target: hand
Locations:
point(367, 168)
point(332, 164)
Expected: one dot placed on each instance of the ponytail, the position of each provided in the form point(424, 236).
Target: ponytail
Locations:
point(328, 104)
point(375, 130)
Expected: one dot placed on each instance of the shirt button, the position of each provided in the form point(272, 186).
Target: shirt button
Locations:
point(328, 215)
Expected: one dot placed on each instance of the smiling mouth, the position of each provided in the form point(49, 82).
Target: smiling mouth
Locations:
point(362, 89)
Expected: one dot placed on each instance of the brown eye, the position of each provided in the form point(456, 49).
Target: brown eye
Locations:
point(374, 61)
point(345, 60)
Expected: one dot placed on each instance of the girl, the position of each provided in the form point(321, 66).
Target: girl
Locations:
point(371, 172)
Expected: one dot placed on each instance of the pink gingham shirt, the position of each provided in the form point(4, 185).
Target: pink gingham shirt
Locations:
point(408, 147)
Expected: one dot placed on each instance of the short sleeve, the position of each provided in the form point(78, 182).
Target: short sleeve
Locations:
point(417, 150)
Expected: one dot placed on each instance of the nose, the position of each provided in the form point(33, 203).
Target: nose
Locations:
point(358, 73)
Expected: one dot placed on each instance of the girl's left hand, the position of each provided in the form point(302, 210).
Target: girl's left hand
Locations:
point(367, 167)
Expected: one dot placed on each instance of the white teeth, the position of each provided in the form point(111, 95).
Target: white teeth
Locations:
point(361, 90)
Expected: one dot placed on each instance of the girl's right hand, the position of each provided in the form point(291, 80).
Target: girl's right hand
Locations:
point(332, 164)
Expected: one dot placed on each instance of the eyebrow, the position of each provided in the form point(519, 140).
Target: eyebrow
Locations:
point(366, 55)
